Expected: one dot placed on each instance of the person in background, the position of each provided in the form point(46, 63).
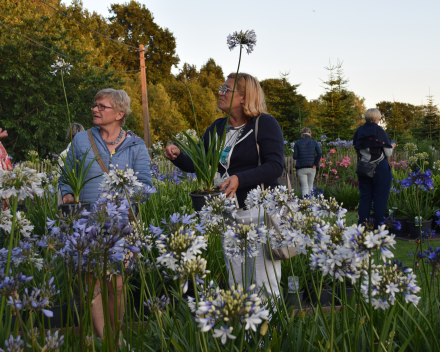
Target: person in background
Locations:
point(373, 146)
point(71, 132)
point(5, 162)
point(307, 154)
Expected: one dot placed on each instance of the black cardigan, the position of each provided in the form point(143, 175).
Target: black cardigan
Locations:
point(244, 158)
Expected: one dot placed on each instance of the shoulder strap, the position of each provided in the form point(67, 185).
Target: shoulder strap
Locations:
point(96, 152)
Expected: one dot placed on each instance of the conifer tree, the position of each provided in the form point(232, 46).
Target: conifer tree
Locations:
point(337, 113)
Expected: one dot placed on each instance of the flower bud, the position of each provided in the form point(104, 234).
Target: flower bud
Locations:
point(263, 329)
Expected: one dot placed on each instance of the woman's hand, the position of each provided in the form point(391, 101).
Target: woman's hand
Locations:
point(230, 186)
point(68, 198)
point(3, 134)
point(314, 166)
point(171, 152)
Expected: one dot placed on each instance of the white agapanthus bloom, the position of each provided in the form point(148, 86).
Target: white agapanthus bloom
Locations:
point(119, 180)
point(22, 182)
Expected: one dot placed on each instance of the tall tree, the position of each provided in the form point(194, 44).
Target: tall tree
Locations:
point(32, 105)
point(286, 105)
point(399, 119)
point(338, 114)
point(133, 24)
point(211, 76)
point(431, 123)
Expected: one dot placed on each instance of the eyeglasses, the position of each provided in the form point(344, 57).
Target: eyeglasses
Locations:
point(100, 107)
point(223, 90)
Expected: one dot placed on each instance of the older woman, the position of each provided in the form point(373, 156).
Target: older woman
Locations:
point(239, 165)
point(374, 147)
point(307, 154)
point(117, 147)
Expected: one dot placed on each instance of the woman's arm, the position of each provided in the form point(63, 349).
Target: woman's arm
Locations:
point(295, 152)
point(271, 142)
point(142, 166)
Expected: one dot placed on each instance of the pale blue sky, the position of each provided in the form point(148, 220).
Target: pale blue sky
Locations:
point(390, 48)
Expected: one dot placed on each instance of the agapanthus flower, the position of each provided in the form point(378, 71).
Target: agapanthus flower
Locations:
point(120, 180)
point(229, 307)
point(364, 242)
point(13, 345)
point(215, 209)
point(247, 39)
point(32, 302)
point(22, 225)
point(421, 180)
point(242, 240)
point(157, 305)
point(22, 182)
point(53, 342)
point(388, 281)
point(61, 65)
point(9, 286)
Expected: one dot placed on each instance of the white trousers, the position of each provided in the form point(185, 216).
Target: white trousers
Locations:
point(261, 268)
point(306, 177)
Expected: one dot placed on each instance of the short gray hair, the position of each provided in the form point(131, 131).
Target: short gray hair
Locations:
point(119, 99)
point(371, 115)
point(74, 129)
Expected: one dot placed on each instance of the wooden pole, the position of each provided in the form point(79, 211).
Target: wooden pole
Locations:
point(145, 113)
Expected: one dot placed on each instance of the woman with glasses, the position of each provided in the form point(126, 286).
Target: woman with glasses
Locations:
point(116, 147)
point(239, 166)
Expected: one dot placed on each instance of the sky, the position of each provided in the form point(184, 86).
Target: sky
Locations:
point(389, 49)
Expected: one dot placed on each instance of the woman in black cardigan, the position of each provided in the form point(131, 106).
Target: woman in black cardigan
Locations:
point(239, 163)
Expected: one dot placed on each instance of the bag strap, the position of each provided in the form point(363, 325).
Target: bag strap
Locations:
point(259, 159)
point(96, 152)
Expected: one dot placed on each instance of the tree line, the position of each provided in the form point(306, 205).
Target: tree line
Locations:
point(32, 105)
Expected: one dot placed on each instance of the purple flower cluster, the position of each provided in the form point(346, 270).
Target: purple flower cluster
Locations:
point(338, 143)
point(391, 223)
point(422, 180)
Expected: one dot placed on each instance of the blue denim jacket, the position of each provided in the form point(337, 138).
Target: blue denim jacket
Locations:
point(132, 154)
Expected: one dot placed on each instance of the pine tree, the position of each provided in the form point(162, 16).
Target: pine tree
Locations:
point(431, 124)
point(337, 112)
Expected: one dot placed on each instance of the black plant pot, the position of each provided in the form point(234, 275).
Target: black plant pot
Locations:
point(292, 300)
point(414, 229)
point(403, 232)
point(199, 200)
point(59, 318)
point(73, 207)
point(434, 225)
point(348, 292)
point(325, 298)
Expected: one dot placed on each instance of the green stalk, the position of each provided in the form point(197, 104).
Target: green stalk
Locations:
point(81, 298)
point(8, 263)
point(332, 312)
point(370, 305)
point(104, 295)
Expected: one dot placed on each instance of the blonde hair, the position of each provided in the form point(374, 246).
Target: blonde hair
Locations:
point(249, 87)
point(371, 115)
point(306, 132)
point(119, 99)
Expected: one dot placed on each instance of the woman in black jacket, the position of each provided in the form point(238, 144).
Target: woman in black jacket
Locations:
point(373, 146)
point(239, 165)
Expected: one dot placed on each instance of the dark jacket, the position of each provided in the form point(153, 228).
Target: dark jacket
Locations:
point(244, 158)
point(307, 153)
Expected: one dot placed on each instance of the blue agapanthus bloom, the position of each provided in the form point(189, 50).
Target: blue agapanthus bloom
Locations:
point(316, 192)
point(432, 256)
point(248, 39)
point(391, 223)
point(422, 180)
